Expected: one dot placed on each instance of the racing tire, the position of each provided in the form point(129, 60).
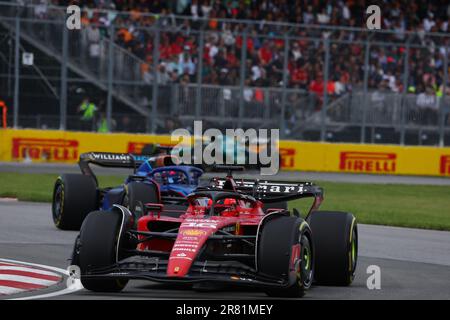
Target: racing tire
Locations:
point(74, 196)
point(98, 248)
point(137, 194)
point(335, 236)
point(279, 239)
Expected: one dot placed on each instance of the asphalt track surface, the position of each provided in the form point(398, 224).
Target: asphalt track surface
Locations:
point(22, 167)
point(415, 264)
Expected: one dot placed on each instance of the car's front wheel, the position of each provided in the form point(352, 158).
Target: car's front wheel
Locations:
point(99, 247)
point(285, 251)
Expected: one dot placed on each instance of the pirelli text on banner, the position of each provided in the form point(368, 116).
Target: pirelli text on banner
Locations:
point(369, 162)
point(53, 150)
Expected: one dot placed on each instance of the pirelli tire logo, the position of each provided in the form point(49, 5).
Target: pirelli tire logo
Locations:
point(368, 162)
point(445, 165)
point(53, 150)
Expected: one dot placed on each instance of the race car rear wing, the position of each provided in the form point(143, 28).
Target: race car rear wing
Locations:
point(121, 160)
point(272, 191)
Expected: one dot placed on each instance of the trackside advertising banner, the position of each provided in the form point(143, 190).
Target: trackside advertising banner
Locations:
point(63, 146)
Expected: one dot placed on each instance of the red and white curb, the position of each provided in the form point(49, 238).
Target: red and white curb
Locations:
point(18, 277)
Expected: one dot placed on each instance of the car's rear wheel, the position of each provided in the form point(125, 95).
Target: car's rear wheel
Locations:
point(285, 251)
point(74, 196)
point(336, 247)
point(137, 194)
point(98, 247)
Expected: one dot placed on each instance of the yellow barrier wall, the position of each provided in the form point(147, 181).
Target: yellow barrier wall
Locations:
point(61, 146)
point(363, 158)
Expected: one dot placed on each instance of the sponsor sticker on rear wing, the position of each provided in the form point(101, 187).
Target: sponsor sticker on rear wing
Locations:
point(272, 191)
point(108, 159)
point(122, 160)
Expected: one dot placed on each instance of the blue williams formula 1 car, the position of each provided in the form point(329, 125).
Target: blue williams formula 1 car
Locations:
point(156, 179)
point(176, 180)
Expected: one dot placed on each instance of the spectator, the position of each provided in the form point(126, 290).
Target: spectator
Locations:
point(162, 76)
point(126, 125)
point(88, 110)
point(185, 65)
point(276, 69)
point(427, 103)
point(102, 124)
point(265, 42)
point(248, 92)
point(265, 53)
point(41, 9)
point(256, 72)
point(296, 53)
point(169, 125)
point(93, 37)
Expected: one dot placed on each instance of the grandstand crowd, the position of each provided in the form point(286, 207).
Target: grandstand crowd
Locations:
point(179, 43)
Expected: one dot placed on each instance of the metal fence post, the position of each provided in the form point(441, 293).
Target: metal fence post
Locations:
point(154, 112)
point(364, 104)
point(242, 77)
point(16, 72)
point(63, 93)
point(325, 88)
point(442, 106)
point(405, 89)
point(284, 93)
point(198, 100)
point(109, 101)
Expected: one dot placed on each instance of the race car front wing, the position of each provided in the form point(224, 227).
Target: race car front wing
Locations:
point(154, 269)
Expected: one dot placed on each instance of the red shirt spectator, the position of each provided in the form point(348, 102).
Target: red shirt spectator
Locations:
point(176, 48)
point(265, 54)
point(299, 75)
point(165, 51)
point(232, 60)
point(259, 95)
point(206, 57)
point(345, 77)
point(250, 44)
point(279, 43)
point(316, 86)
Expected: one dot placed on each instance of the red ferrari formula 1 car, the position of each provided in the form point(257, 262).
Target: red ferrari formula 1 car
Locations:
point(226, 235)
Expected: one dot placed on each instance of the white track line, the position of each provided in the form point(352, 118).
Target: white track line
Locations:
point(76, 286)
